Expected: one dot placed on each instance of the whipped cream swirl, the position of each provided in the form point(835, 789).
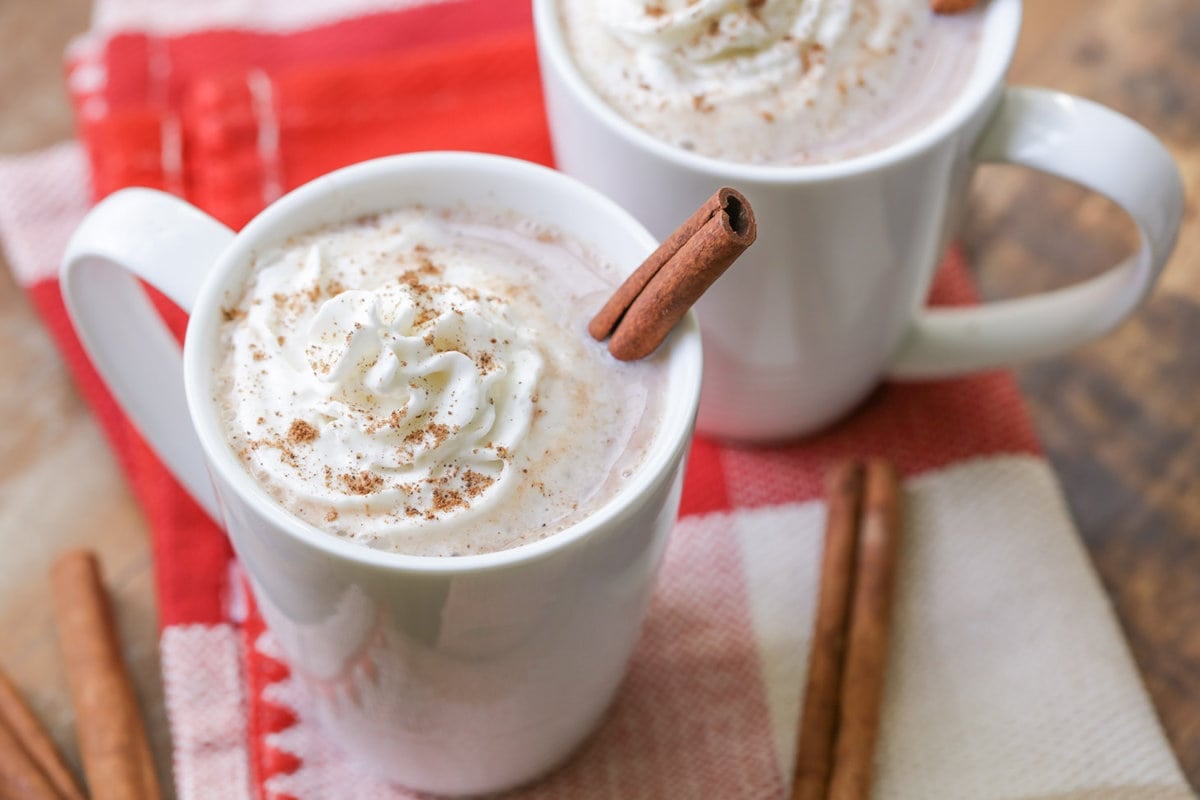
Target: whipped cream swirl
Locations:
point(407, 395)
point(735, 46)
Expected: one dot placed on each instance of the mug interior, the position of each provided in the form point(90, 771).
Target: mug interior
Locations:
point(1000, 29)
point(435, 180)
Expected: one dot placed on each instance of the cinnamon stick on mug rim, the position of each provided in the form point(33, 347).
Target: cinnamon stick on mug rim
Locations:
point(643, 310)
point(861, 701)
point(814, 745)
point(112, 736)
point(17, 719)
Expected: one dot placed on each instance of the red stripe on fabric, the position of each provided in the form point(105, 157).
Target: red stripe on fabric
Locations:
point(277, 762)
point(419, 101)
point(263, 717)
point(145, 77)
point(124, 150)
point(143, 68)
point(952, 285)
point(191, 554)
point(484, 96)
point(704, 481)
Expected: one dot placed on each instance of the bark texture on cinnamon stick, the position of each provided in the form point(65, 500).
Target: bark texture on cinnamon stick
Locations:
point(861, 700)
point(20, 777)
point(952, 6)
point(18, 721)
point(814, 747)
point(112, 736)
point(644, 309)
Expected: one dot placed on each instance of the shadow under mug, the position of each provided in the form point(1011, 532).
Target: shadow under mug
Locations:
point(830, 299)
point(456, 675)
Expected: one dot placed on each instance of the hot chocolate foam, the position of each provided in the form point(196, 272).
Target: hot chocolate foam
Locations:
point(422, 382)
point(773, 81)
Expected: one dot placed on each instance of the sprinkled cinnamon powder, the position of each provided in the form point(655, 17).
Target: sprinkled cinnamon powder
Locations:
point(447, 500)
point(439, 432)
point(476, 483)
point(393, 420)
point(412, 279)
point(301, 432)
point(363, 482)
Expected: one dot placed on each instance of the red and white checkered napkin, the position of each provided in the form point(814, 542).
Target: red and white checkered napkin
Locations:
point(1009, 676)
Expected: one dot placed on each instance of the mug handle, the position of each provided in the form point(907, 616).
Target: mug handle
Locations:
point(147, 234)
point(1094, 147)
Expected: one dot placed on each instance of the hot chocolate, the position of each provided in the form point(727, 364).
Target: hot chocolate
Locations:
point(421, 381)
point(775, 82)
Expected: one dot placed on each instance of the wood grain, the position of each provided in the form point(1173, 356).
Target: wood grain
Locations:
point(1119, 418)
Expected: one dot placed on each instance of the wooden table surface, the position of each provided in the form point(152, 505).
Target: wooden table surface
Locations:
point(1120, 418)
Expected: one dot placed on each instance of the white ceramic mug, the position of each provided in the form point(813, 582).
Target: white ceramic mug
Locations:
point(452, 675)
point(829, 300)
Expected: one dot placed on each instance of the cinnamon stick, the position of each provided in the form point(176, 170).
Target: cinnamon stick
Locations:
point(952, 6)
point(814, 748)
point(112, 737)
point(20, 777)
point(861, 699)
point(21, 724)
point(644, 309)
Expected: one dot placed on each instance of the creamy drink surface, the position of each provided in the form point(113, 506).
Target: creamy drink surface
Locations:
point(779, 82)
point(422, 381)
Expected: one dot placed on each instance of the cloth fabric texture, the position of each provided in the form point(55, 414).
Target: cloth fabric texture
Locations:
point(1008, 675)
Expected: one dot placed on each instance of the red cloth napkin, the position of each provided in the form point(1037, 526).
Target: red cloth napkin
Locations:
point(230, 119)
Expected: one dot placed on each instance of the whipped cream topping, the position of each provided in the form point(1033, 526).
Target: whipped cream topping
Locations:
point(704, 44)
point(770, 81)
point(383, 379)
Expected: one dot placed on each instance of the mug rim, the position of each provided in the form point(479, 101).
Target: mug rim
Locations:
point(680, 390)
point(999, 34)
